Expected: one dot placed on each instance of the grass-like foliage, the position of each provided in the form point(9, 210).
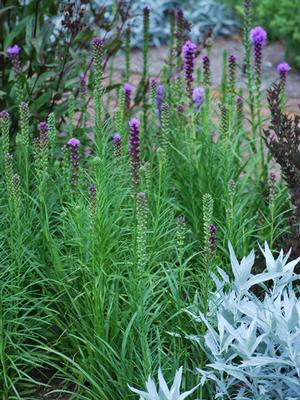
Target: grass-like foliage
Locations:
point(114, 214)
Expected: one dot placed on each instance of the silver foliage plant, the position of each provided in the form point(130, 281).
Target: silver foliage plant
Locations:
point(253, 340)
point(201, 14)
point(163, 392)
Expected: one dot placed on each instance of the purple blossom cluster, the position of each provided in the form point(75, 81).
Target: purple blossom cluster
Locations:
point(189, 54)
point(128, 91)
point(134, 150)
point(283, 68)
point(258, 38)
point(14, 54)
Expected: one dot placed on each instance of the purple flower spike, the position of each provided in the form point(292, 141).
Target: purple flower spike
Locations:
point(283, 68)
point(134, 150)
point(74, 152)
point(128, 92)
point(258, 36)
point(206, 70)
point(117, 145)
point(198, 98)
point(159, 98)
point(232, 68)
point(13, 50)
point(189, 54)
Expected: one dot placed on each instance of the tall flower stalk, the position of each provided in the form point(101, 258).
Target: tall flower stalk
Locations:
point(4, 129)
point(224, 76)
point(283, 68)
point(14, 54)
point(189, 55)
point(41, 151)
point(73, 144)
point(117, 145)
point(247, 64)
point(52, 133)
point(258, 37)
point(231, 86)
point(206, 83)
point(98, 49)
point(179, 36)
point(127, 93)
point(172, 18)
point(146, 22)
point(120, 112)
point(208, 205)
point(134, 151)
point(165, 130)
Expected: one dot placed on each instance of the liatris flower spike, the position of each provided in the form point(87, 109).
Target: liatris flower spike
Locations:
point(189, 54)
point(73, 144)
point(14, 52)
point(128, 92)
point(198, 98)
point(232, 68)
point(4, 130)
point(159, 98)
point(258, 38)
point(134, 150)
point(117, 145)
point(206, 70)
point(283, 68)
point(97, 44)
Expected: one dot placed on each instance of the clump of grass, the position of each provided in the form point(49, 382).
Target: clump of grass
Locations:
point(101, 252)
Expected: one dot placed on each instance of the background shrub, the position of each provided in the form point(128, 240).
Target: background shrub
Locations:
point(284, 24)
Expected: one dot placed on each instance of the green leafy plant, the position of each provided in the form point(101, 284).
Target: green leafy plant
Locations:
point(113, 212)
